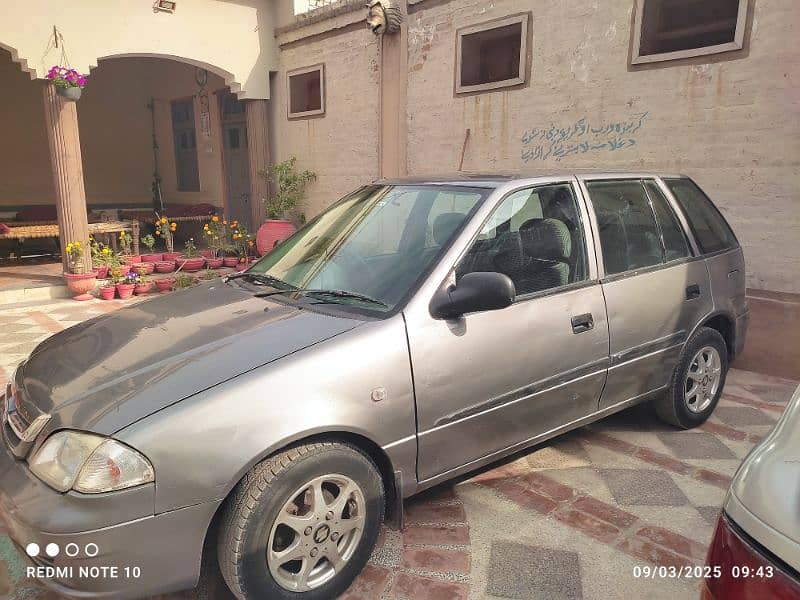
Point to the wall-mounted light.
(164, 6)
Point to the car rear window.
(708, 225)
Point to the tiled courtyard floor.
(566, 520)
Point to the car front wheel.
(302, 523)
(697, 381)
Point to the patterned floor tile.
(743, 416)
(685, 444)
(516, 571)
(643, 486)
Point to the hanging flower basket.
(69, 83)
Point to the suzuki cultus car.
(414, 331)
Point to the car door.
(656, 291)
(490, 381)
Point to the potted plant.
(142, 285)
(243, 245)
(191, 260)
(165, 266)
(79, 282)
(108, 290)
(182, 280)
(150, 242)
(126, 285)
(101, 257)
(69, 83)
(166, 230)
(126, 243)
(216, 233)
(165, 285)
(144, 268)
(290, 193)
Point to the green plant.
(165, 230)
(190, 250)
(209, 274)
(150, 242)
(125, 241)
(183, 280)
(242, 241)
(75, 253)
(291, 187)
(217, 233)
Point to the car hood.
(767, 487)
(110, 371)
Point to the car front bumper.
(103, 558)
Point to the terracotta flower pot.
(81, 284)
(243, 265)
(144, 267)
(125, 290)
(152, 258)
(102, 271)
(142, 288)
(164, 285)
(107, 293)
(132, 259)
(190, 265)
(173, 256)
(272, 232)
(230, 261)
(165, 266)
(207, 253)
(214, 263)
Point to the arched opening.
(155, 132)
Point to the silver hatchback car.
(414, 331)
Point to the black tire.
(671, 407)
(255, 504)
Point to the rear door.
(656, 290)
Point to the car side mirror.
(474, 292)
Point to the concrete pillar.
(257, 112)
(61, 117)
(394, 82)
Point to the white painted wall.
(233, 39)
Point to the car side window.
(626, 224)
(534, 236)
(672, 234)
(708, 225)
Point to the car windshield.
(370, 248)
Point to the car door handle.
(581, 323)
(692, 291)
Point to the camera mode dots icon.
(32, 549)
(52, 550)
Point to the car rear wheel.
(697, 381)
(302, 523)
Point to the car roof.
(493, 180)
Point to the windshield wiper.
(335, 293)
(261, 277)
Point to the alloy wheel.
(702, 379)
(316, 532)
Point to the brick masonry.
(726, 119)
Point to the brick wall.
(729, 120)
(341, 146)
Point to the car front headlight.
(89, 464)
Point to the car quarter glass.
(712, 232)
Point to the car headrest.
(445, 225)
(546, 239)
